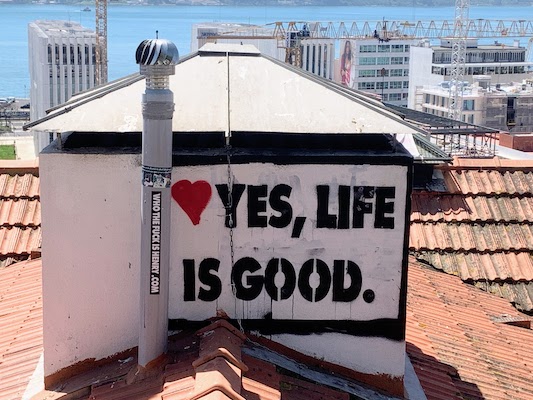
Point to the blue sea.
(129, 25)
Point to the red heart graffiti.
(192, 197)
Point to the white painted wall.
(90, 256)
(369, 355)
(420, 61)
(91, 225)
(378, 252)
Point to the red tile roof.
(482, 228)
(462, 342)
(21, 322)
(459, 343)
(20, 214)
(212, 367)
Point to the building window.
(405, 84)
(367, 61)
(468, 105)
(396, 48)
(407, 48)
(383, 48)
(395, 96)
(396, 72)
(383, 61)
(396, 60)
(64, 54)
(405, 72)
(49, 54)
(382, 85)
(367, 73)
(86, 54)
(367, 48)
(395, 85)
(319, 59)
(366, 85)
(72, 54)
(57, 53)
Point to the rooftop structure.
(296, 119)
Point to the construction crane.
(101, 42)
(455, 105)
(292, 35)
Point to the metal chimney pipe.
(157, 59)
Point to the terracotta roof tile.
(21, 341)
(213, 368)
(492, 182)
(427, 207)
(20, 216)
(482, 229)
(471, 237)
(19, 241)
(483, 267)
(455, 345)
(22, 212)
(19, 186)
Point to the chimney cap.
(157, 52)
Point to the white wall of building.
(420, 72)
(90, 256)
(91, 251)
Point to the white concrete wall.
(368, 355)
(420, 72)
(90, 256)
(91, 235)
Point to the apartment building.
(378, 64)
(504, 63)
(507, 107)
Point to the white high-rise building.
(61, 63)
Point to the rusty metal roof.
(482, 228)
(457, 345)
(21, 322)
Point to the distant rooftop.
(53, 28)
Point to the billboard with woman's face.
(347, 60)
